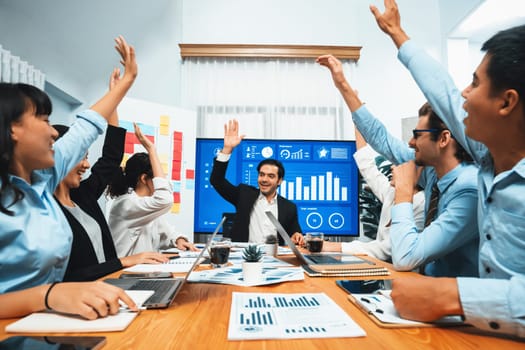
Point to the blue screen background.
(321, 178)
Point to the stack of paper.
(52, 322)
(347, 271)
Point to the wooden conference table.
(199, 317)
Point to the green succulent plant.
(252, 253)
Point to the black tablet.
(364, 286)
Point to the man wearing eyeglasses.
(448, 245)
(488, 118)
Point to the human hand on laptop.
(298, 239)
(183, 244)
(144, 258)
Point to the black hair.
(15, 99)
(61, 129)
(506, 65)
(435, 122)
(128, 177)
(275, 162)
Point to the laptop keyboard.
(161, 287)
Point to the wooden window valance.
(268, 51)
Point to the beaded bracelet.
(47, 295)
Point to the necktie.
(432, 206)
(431, 215)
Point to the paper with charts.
(288, 316)
(233, 275)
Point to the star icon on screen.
(323, 153)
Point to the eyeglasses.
(415, 132)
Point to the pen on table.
(376, 309)
(127, 309)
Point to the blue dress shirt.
(495, 301)
(449, 246)
(35, 243)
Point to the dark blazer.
(83, 263)
(243, 198)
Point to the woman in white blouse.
(142, 196)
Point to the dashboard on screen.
(321, 178)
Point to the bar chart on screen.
(288, 316)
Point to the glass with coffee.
(314, 241)
(220, 252)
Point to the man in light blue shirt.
(448, 246)
(488, 119)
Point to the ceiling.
(489, 18)
(77, 33)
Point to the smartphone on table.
(364, 286)
(53, 343)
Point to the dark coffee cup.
(314, 241)
(219, 253)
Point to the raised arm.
(336, 69)
(114, 79)
(431, 77)
(390, 22)
(152, 152)
(70, 149)
(231, 136)
(372, 130)
(109, 102)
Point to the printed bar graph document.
(288, 316)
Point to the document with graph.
(288, 316)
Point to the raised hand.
(114, 78)
(335, 67)
(106, 105)
(231, 136)
(148, 145)
(127, 54)
(390, 22)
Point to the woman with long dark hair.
(142, 196)
(35, 238)
(93, 253)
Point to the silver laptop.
(313, 259)
(166, 289)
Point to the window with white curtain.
(15, 70)
(277, 98)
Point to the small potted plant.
(252, 264)
(271, 245)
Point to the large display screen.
(321, 178)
